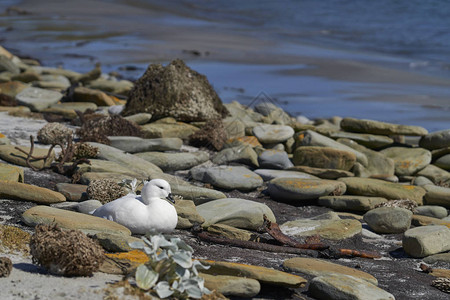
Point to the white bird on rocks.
(149, 212)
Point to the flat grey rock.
(38, 99)
(388, 219)
(132, 144)
(235, 212)
(274, 159)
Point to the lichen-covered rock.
(5, 267)
(69, 253)
(54, 133)
(105, 190)
(174, 91)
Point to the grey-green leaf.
(145, 277)
(183, 259)
(163, 289)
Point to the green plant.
(170, 272)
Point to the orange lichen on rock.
(137, 256)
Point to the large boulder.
(174, 91)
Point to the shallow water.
(375, 59)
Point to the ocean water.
(383, 60)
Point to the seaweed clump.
(65, 252)
(212, 135)
(97, 129)
(83, 150)
(14, 238)
(105, 190)
(442, 283)
(54, 133)
(403, 203)
(5, 267)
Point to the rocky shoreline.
(380, 189)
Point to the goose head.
(156, 188)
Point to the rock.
(311, 138)
(426, 240)
(84, 94)
(388, 219)
(175, 161)
(380, 188)
(198, 194)
(323, 173)
(140, 118)
(443, 162)
(115, 109)
(81, 106)
(233, 128)
(441, 257)
(297, 189)
(174, 91)
(106, 166)
(436, 140)
(12, 88)
(38, 99)
(408, 161)
(346, 287)
(120, 87)
(352, 203)
(187, 209)
(274, 159)
(240, 154)
(367, 140)
(112, 242)
(418, 220)
(378, 164)
(244, 114)
(251, 141)
(168, 130)
(88, 206)
(421, 181)
(72, 192)
(28, 192)
(71, 220)
(235, 212)
(269, 134)
(437, 195)
(437, 175)
(71, 75)
(232, 285)
(52, 82)
(88, 177)
(324, 157)
(263, 275)
(11, 173)
(433, 211)
(27, 77)
(328, 226)
(318, 267)
(7, 65)
(134, 163)
(132, 144)
(230, 232)
(382, 128)
(269, 174)
(228, 177)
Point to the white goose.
(142, 214)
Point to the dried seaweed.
(69, 253)
(212, 135)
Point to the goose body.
(142, 214)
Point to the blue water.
(413, 36)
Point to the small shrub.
(170, 272)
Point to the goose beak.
(170, 198)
